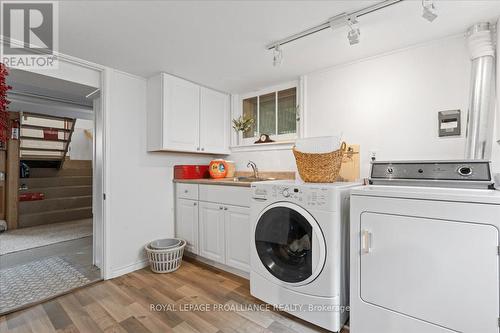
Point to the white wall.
(140, 189)
(267, 160)
(388, 104)
(80, 147)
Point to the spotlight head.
(353, 33)
(353, 36)
(277, 56)
(429, 11)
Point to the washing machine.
(425, 249)
(299, 249)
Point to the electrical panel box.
(449, 123)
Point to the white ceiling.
(33, 83)
(221, 44)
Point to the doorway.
(52, 243)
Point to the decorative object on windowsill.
(320, 167)
(264, 138)
(4, 114)
(242, 125)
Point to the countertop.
(230, 181)
(210, 181)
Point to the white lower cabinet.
(216, 231)
(186, 223)
(237, 234)
(212, 231)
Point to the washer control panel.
(308, 197)
(432, 170)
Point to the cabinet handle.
(220, 207)
(366, 242)
(198, 148)
(186, 191)
(225, 208)
(194, 204)
(202, 149)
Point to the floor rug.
(37, 281)
(31, 237)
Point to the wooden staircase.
(68, 194)
(44, 140)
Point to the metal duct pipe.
(479, 135)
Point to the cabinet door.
(186, 223)
(214, 121)
(237, 225)
(212, 231)
(432, 270)
(181, 114)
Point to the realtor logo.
(29, 34)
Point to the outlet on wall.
(373, 154)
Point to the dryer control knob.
(285, 193)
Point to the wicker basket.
(320, 167)
(167, 260)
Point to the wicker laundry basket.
(320, 167)
(165, 260)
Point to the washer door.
(290, 244)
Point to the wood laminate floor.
(124, 305)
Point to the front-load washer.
(424, 249)
(299, 249)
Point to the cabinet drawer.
(187, 191)
(226, 195)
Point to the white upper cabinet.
(183, 116)
(214, 121)
(181, 112)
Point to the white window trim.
(280, 139)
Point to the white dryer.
(299, 249)
(424, 249)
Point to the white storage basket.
(167, 260)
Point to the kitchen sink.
(251, 179)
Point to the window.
(274, 113)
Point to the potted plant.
(241, 124)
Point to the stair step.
(61, 192)
(40, 157)
(54, 172)
(55, 216)
(42, 149)
(39, 127)
(47, 116)
(77, 164)
(46, 205)
(56, 181)
(36, 138)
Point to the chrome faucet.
(252, 165)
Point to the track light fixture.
(429, 10)
(277, 55)
(342, 20)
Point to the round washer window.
(284, 243)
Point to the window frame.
(274, 89)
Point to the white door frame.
(100, 248)
(79, 71)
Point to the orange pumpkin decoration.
(218, 169)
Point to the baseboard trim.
(128, 269)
